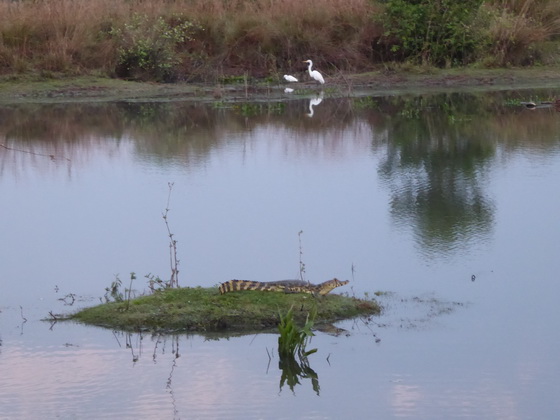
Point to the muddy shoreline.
(94, 89)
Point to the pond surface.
(449, 202)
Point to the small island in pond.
(200, 309)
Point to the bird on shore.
(289, 78)
(314, 73)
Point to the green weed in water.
(293, 340)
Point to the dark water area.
(448, 202)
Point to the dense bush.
(438, 32)
(148, 48)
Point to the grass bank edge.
(68, 88)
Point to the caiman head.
(329, 285)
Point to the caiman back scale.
(286, 286)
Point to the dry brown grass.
(515, 29)
(54, 35)
(263, 38)
(256, 36)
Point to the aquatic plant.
(113, 291)
(293, 340)
(292, 343)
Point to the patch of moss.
(205, 309)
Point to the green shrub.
(147, 47)
(436, 32)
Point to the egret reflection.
(314, 102)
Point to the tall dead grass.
(262, 36)
(516, 30)
(235, 37)
(256, 36)
(53, 35)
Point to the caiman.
(286, 286)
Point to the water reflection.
(166, 347)
(435, 165)
(436, 151)
(294, 370)
(314, 102)
(255, 176)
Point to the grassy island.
(205, 309)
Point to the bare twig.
(269, 359)
(132, 278)
(173, 260)
(69, 299)
(51, 157)
(21, 312)
(154, 355)
(117, 338)
(301, 263)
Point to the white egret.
(314, 73)
(290, 78)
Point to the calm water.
(448, 201)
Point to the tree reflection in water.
(435, 166)
(436, 150)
